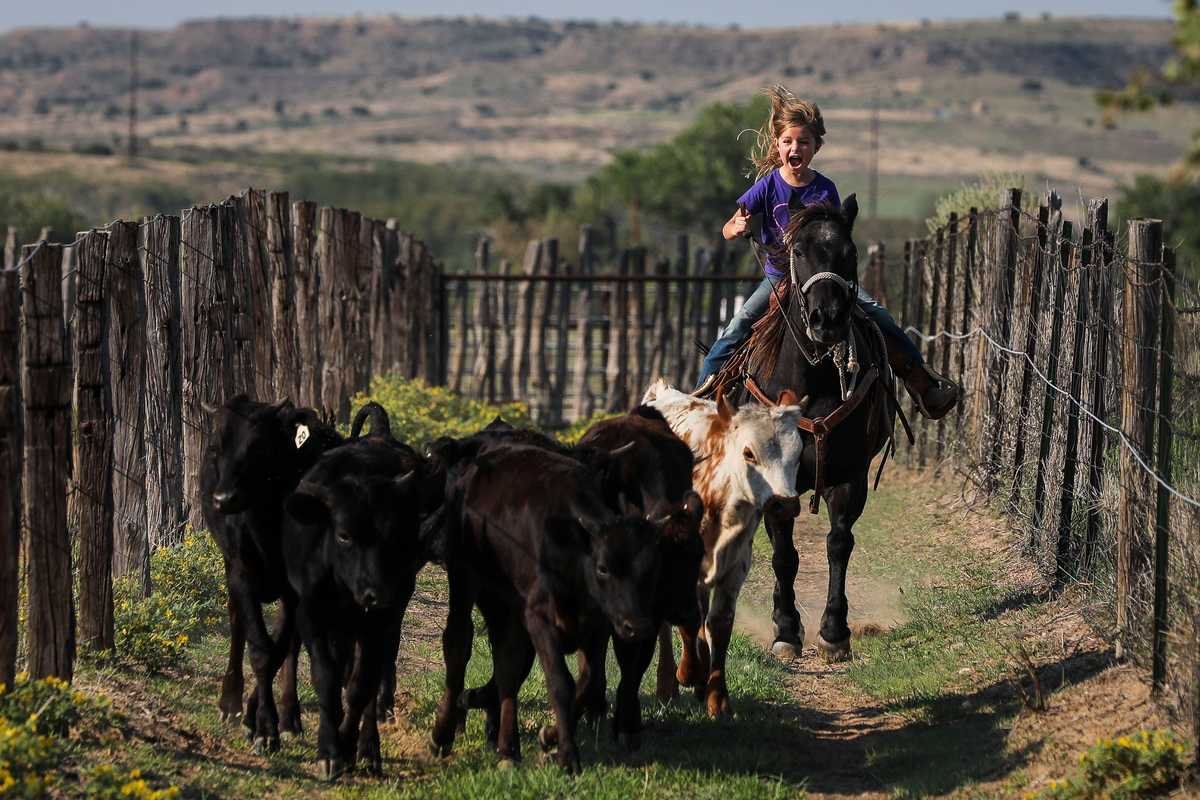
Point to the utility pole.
(873, 166)
(133, 84)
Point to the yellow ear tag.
(301, 435)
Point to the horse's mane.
(801, 217)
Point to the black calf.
(354, 549)
(551, 566)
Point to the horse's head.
(824, 264)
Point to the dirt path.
(857, 747)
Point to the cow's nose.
(369, 599)
(628, 629)
(222, 499)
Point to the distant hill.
(555, 98)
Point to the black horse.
(849, 413)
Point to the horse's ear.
(724, 409)
(850, 210)
(788, 398)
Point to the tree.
(1147, 87)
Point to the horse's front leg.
(780, 518)
(845, 502)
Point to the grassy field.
(937, 701)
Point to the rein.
(821, 427)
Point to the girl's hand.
(738, 225)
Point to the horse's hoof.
(329, 769)
(548, 738)
(230, 716)
(506, 763)
(667, 692)
(786, 651)
(630, 742)
(439, 750)
(834, 652)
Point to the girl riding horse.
(788, 140)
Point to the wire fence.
(114, 346)
(1079, 353)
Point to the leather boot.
(934, 394)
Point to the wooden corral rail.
(1062, 408)
(571, 338)
(145, 323)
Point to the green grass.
(683, 752)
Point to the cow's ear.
(724, 408)
(850, 211)
(307, 508)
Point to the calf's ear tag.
(301, 435)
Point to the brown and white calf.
(745, 459)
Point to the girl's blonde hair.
(787, 111)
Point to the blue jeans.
(740, 327)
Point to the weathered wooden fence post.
(1046, 471)
(337, 242)
(696, 327)
(304, 264)
(483, 377)
(661, 324)
(585, 401)
(543, 308)
(637, 374)
(1098, 352)
(968, 318)
(935, 344)
(617, 369)
(163, 430)
(1139, 313)
(998, 326)
(947, 315)
(93, 502)
(920, 271)
(286, 298)
(251, 210)
(506, 335)
(47, 424)
(1063, 566)
(683, 355)
(562, 336)
(524, 322)
(127, 359)
(1027, 311)
(10, 465)
(1162, 526)
(205, 317)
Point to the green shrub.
(420, 413)
(151, 632)
(105, 782)
(981, 193)
(38, 721)
(28, 760)
(191, 575)
(574, 432)
(1147, 764)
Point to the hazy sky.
(748, 13)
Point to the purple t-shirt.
(770, 196)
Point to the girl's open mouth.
(795, 161)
